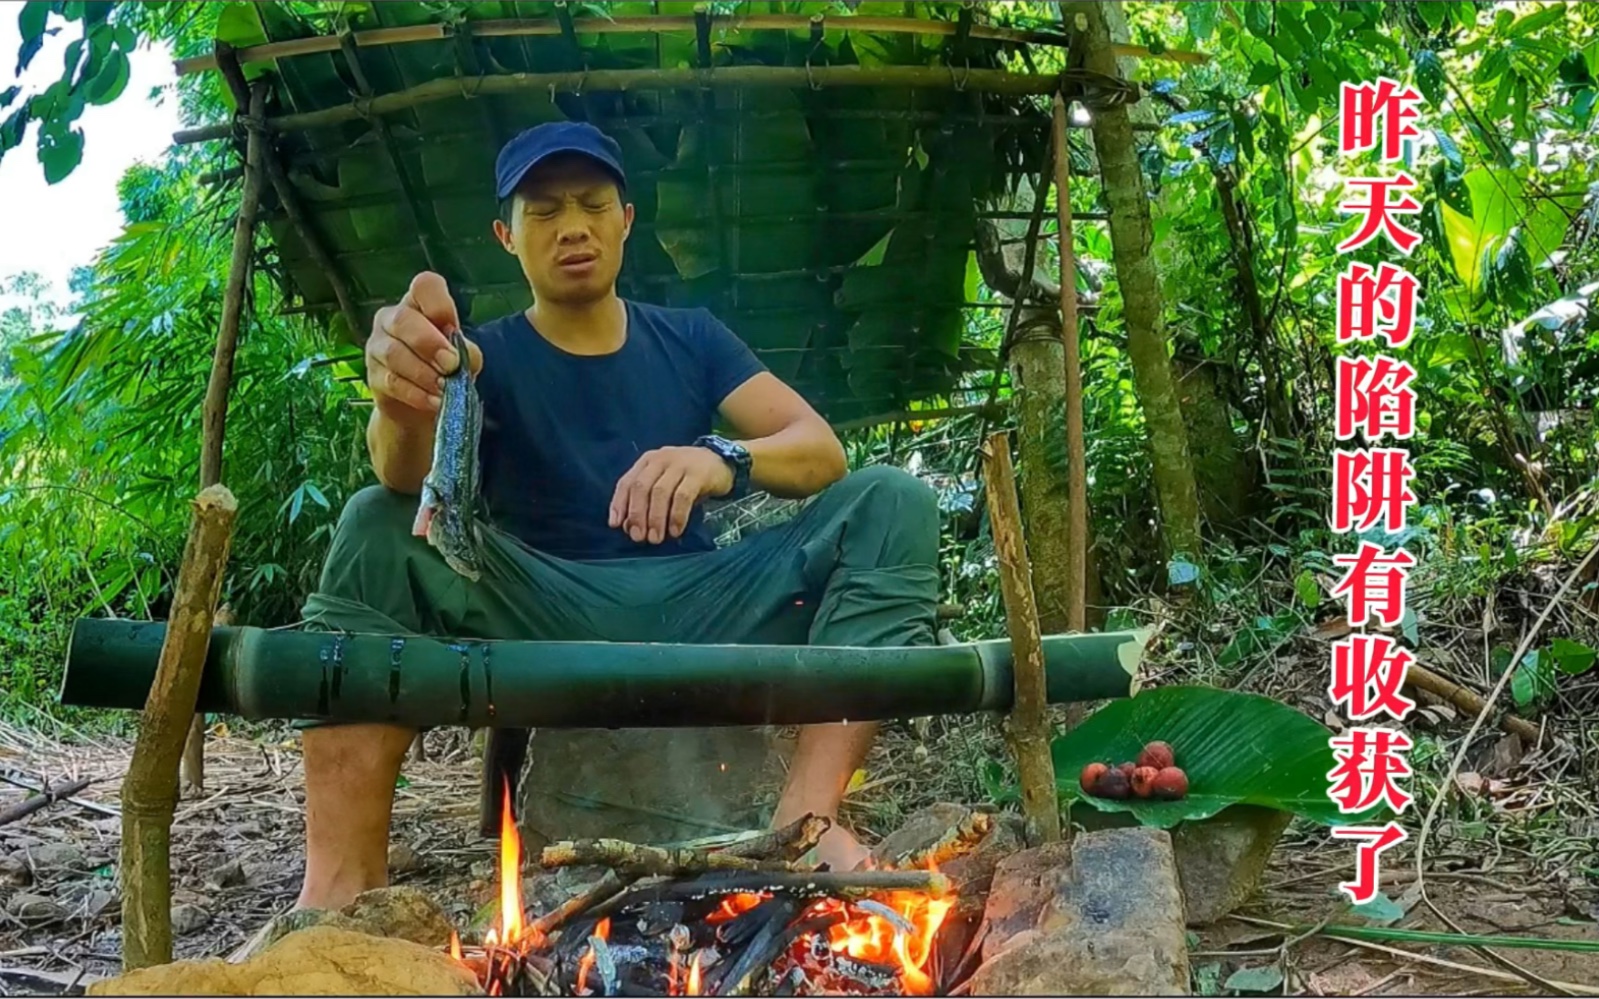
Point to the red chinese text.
(1379, 213)
(1369, 762)
(1370, 486)
(1377, 303)
(1374, 397)
(1368, 674)
(1374, 840)
(1372, 114)
(1375, 584)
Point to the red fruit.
(1157, 755)
(1113, 784)
(1127, 769)
(1091, 775)
(1144, 781)
(1170, 784)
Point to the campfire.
(748, 919)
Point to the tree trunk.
(1028, 726)
(1038, 381)
(1132, 236)
(1243, 251)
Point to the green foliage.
(1236, 749)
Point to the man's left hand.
(655, 498)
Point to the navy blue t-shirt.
(560, 429)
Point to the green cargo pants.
(856, 567)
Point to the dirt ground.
(236, 864)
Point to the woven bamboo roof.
(815, 184)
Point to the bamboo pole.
(1466, 700)
(530, 27)
(1076, 458)
(150, 791)
(992, 81)
(193, 768)
(214, 415)
(1028, 726)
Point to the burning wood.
(743, 920)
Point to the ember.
(751, 922)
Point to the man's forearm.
(797, 461)
(402, 453)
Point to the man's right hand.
(410, 350)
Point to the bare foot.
(840, 850)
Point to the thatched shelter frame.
(150, 792)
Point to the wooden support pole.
(214, 416)
(150, 791)
(1076, 458)
(409, 196)
(194, 749)
(227, 58)
(1028, 726)
(725, 24)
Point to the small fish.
(449, 493)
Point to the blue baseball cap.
(540, 142)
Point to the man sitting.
(596, 456)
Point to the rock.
(322, 960)
(398, 913)
(35, 910)
(97, 900)
(187, 918)
(58, 856)
(404, 859)
(920, 831)
(401, 913)
(1023, 883)
(1221, 859)
(973, 874)
(227, 875)
(14, 872)
(260, 872)
(1114, 928)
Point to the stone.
(396, 912)
(1221, 859)
(226, 875)
(322, 960)
(57, 857)
(1115, 927)
(973, 873)
(35, 910)
(920, 831)
(402, 913)
(14, 872)
(403, 859)
(1022, 884)
(98, 900)
(188, 918)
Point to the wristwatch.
(737, 458)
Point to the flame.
(693, 976)
(510, 874)
(455, 945)
(735, 905)
(869, 937)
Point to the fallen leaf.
(1265, 978)
(1331, 629)
(1345, 979)
(857, 780)
(1470, 783)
